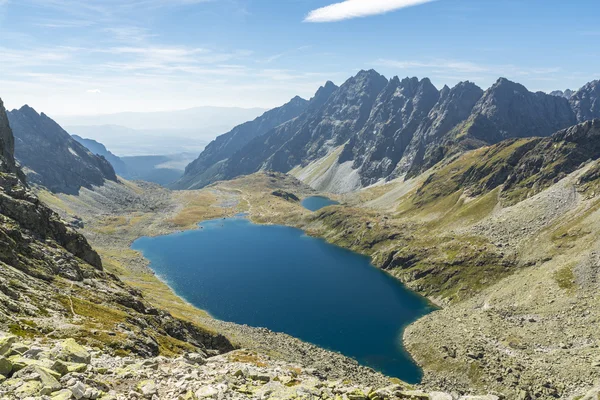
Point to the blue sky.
(70, 57)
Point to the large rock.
(5, 344)
(6, 366)
(69, 350)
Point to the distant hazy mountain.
(372, 128)
(124, 141)
(566, 94)
(227, 144)
(161, 169)
(51, 157)
(203, 120)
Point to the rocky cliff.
(51, 157)
(371, 129)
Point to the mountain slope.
(227, 144)
(101, 150)
(51, 157)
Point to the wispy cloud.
(94, 91)
(359, 8)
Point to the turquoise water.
(279, 278)
(315, 203)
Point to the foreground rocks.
(64, 370)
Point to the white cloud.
(359, 8)
(94, 91)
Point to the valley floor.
(518, 284)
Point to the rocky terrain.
(64, 370)
(372, 129)
(51, 158)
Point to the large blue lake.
(279, 278)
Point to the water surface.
(279, 278)
(315, 203)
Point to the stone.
(5, 344)
(64, 394)
(356, 394)
(29, 388)
(78, 390)
(440, 396)
(207, 392)
(414, 395)
(71, 351)
(147, 388)
(196, 358)
(45, 376)
(5, 366)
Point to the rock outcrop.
(51, 157)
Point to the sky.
(88, 57)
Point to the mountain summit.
(51, 157)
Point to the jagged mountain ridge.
(383, 129)
(51, 157)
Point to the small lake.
(279, 278)
(315, 203)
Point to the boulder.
(5, 344)
(5, 366)
(147, 388)
(71, 351)
(64, 394)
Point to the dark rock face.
(508, 110)
(198, 173)
(52, 158)
(101, 150)
(454, 106)
(586, 102)
(394, 119)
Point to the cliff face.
(51, 157)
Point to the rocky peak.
(51, 157)
(586, 101)
(322, 95)
(509, 110)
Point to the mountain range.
(372, 129)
